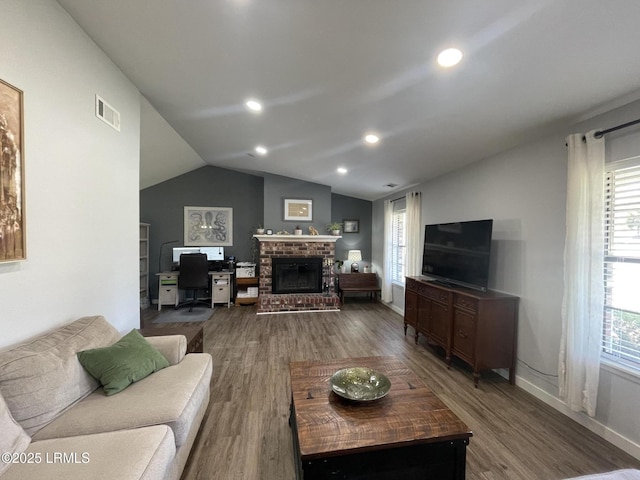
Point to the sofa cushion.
(13, 439)
(140, 454)
(173, 347)
(171, 396)
(127, 361)
(41, 378)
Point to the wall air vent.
(107, 113)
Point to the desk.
(168, 294)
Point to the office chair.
(194, 275)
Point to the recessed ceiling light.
(371, 138)
(449, 57)
(253, 105)
(342, 170)
(260, 150)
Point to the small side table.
(194, 336)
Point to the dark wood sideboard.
(480, 328)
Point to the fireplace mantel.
(297, 238)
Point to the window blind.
(398, 245)
(621, 328)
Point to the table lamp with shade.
(354, 257)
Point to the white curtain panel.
(386, 293)
(583, 301)
(413, 263)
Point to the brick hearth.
(283, 246)
(291, 302)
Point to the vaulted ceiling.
(329, 71)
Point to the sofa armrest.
(173, 347)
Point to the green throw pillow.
(125, 362)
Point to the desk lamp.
(354, 256)
(160, 256)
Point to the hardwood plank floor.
(245, 433)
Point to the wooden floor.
(245, 433)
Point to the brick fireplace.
(295, 247)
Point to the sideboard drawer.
(436, 294)
(412, 285)
(465, 302)
(464, 335)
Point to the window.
(398, 245)
(621, 329)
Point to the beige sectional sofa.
(56, 421)
(625, 474)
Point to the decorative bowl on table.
(360, 384)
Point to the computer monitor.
(177, 251)
(213, 253)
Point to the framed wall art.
(298, 210)
(208, 226)
(13, 235)
(351, 226)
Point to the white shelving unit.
(144, 265)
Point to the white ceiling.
(330, 70)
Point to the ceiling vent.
(391, 185)
(107, 113)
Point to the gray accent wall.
(162, 206)
(277, 188)
(255, 201)
(350, 208)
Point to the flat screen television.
(458, 253)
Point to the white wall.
(524, 191)
(81, 177)
(163, 152)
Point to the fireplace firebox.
(296, 275)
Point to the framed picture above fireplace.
(298, 210)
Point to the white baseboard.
(583, 419)
(393, 307)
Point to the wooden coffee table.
(408, 434)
